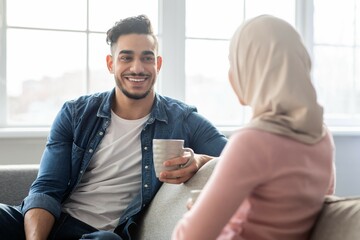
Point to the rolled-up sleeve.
(40, 200)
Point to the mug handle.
(190, 160)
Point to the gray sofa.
(338, 220)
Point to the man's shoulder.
(173, 103)
(100, 101)
(90, 100)
(91, 97)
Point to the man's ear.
(159, 63)
(109, 63)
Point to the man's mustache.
(136, 75)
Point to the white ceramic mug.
(165, 149)
(194, 194)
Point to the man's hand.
(183, 174)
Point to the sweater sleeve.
(236, 174)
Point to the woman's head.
(270, 71)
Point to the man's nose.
(137, 66)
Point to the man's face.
(135, 65)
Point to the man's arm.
(38, 223)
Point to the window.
(206, 59)
(56, 52)
(336, 49)
(53, 51)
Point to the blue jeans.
(65, 228)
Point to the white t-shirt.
(113, 177)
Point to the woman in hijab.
(274, 173)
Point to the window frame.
(2, 63)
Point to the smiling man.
(96, 174)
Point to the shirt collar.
(158, 110)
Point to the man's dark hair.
(138, 24)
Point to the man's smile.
(136, 78)
(131, 79)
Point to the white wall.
(29, 150)
(347, 165)
(21, 150)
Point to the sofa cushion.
(15, 181)
(169, 205)
(339, 219)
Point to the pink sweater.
(265, 186)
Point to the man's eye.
(125, 58)
(149, 59)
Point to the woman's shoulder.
(251, 134)
(250, 140)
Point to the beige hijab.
(271, 73)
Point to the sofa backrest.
(169, 205)
(339, 219)
(15, 181)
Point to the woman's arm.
(232, 180)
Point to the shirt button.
(91, 150)
(101, 133)
(145, 185)
(146, 167)
(145, 148)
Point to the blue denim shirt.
(78, 130)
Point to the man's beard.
(132, 95)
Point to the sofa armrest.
(339, 219)
(169, 205)
(15, 181)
